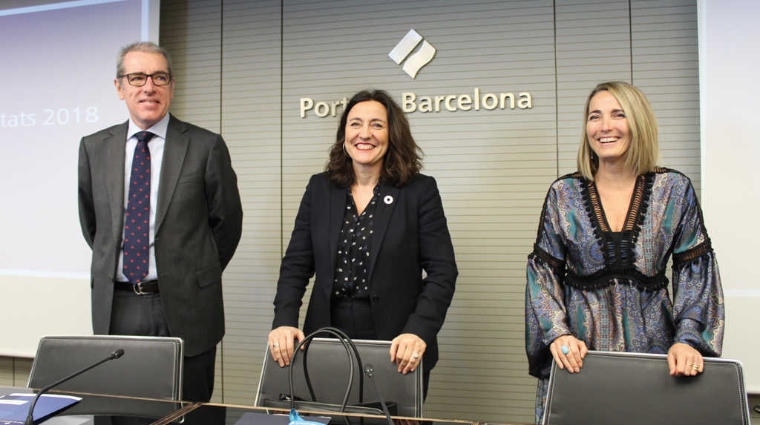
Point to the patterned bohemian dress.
(610, 289)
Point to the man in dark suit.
(160, 208)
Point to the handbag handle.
(345, 340)
(351, 351)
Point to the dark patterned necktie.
(137, 219)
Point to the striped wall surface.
(243, 68)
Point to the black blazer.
(198, 226)
(410, 236)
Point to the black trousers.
(144, 315)
(354, 317)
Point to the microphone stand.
(30, 416)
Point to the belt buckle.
(138, 290)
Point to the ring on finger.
(415, 356)
(565, 349)
(695, 367)
(276, 344)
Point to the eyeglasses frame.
(171, 78)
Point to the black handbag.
(289, 401)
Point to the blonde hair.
(643, 151)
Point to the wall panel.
(665, 67)
(593, 45)
(251, 123)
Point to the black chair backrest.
(328, 372)
(631, 388)
(151, 367)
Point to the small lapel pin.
(388, 200)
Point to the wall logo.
(415, 52)
(415, 62)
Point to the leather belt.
(142, 288)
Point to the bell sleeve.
(545, 313)
(698, 307)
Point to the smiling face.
(147, 104)
(366, 140)
(607, 128)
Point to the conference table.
(98, 409)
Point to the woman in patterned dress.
(596, 279)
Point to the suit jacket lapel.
(175, 150)
(388, 199)
(337, 212)
(114, 155)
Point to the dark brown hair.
(401, 162)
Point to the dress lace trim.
(637, 210)
(618, 247)
(557, 266)
(610, 275)
(680, 259)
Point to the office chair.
(328, 372)
(632, 388)
(151, 367)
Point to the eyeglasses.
(138, 79)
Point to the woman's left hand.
(407, 351)
(684, 360)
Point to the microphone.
(30, 417)
(369, 370)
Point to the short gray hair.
(142, 46)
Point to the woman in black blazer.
(368, 227)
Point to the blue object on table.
(296, 419)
